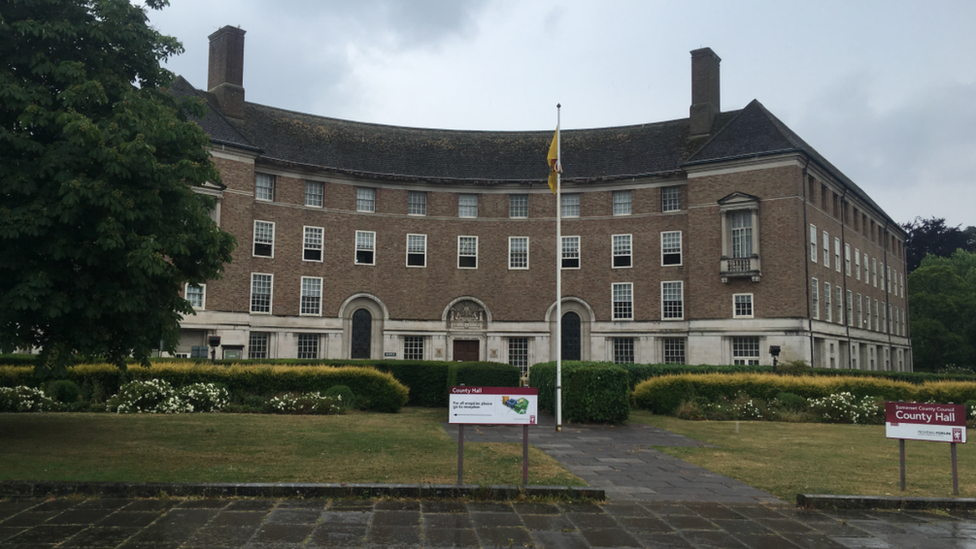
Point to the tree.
(942, 307)
(931, 236)
(99, 224)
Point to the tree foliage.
(99, 224)
(932, 236)
(942, 307)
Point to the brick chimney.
(226, 75)
(705, 91)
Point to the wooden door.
(466, 350)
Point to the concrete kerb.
(15, 489)
(820, 501)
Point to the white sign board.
(494, 405)
(930, 422)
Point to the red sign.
(931, 422)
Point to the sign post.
(494, 406)
(927, 422)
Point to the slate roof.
(220, 130)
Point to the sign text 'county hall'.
(931, 422)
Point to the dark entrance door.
(466, 350)
(362, 333)
(571, 336)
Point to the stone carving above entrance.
(466, 315)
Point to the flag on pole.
(553, 161)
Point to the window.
(416, 250)
(837, 254)
(571, 252)
(467, 252)
(826, 249)
(623, 350)
(741, 234)
(416, 203)
(815, 297)
(311, 296)
(901, 284)
(674, 350)
(850, 308)
(888, 279)
(857, 263)
(877, 317)
(518, 353)
(745, 351)
(413, 348)
(827, 309)
(264, 185)
(468, 205)
(874, 272)
(518, 205)
(840, 303)
(670, 199)
(623, 301)
(621, 250)
(261, 292)
(621, 202)
(671, 248)
(518, 252)
(741, 305)
(257, 345)
(264, 238)
(570, 205)
(813, 243)
(860, 313)
(847, 259)
(313, 244)
(314, 192)
(890, 318)
(672, 300)
(365, 248)
(196, 294)
(308, 345)
(365, 199)
(197, 351)
(867, 279)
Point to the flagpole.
(559, 281)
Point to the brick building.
(701, 240)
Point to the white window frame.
(839, 297)
(860, 313)
(850, 308)
(312, 198)
(887, 279)
(203, 296)
(857, 263)
(366, 199)
(901, 284)
(847, 259)
(362, 239)
(867, 269)
(512, 257)
(518, 353)
(826, 250)
(563, 256)
(618, 292)
(668, 249)
(468, 205)
(745, 350)
(670, 347)
(874, 272)
(414, 250)
(410, 344)
(314, 301)
(570, 204)
(624, 350)
(740, 233)
(621, 251)
(671, 199)
(265, 192)
(302, 342)
(623, 202)
(266, 343)
(745, 300)
(416, 203)
(263, 241)
(666, 286)
(518, 206)
(828, 311)
(815, 298)
(814, 251)
(468, 239)
(309, 246)
(270, 280)
(837, 254)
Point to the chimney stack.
(226, 75)
(705, 91)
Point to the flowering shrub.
(204, 397)
(846, 408)
(305, 403)
(153, 396)
(25, 399)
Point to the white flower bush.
(305, 403)
(204, 397)
(157, 396)
(25, 399)
(846, 408)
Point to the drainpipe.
(806, 258)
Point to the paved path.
(309, 524)
(620, 460)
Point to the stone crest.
(466, 315)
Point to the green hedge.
(591, 392)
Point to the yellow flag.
(553, 161)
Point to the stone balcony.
(740, 267)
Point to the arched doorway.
(362, 333)
(571, 332)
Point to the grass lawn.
(785, 459)
(409, 447)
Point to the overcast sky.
(885, 90)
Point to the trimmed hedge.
(592, 392)
(662, 395)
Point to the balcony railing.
(740, 267)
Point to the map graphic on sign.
(520, 406)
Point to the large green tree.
(942, 307)
(932, 236)
(100, 226)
